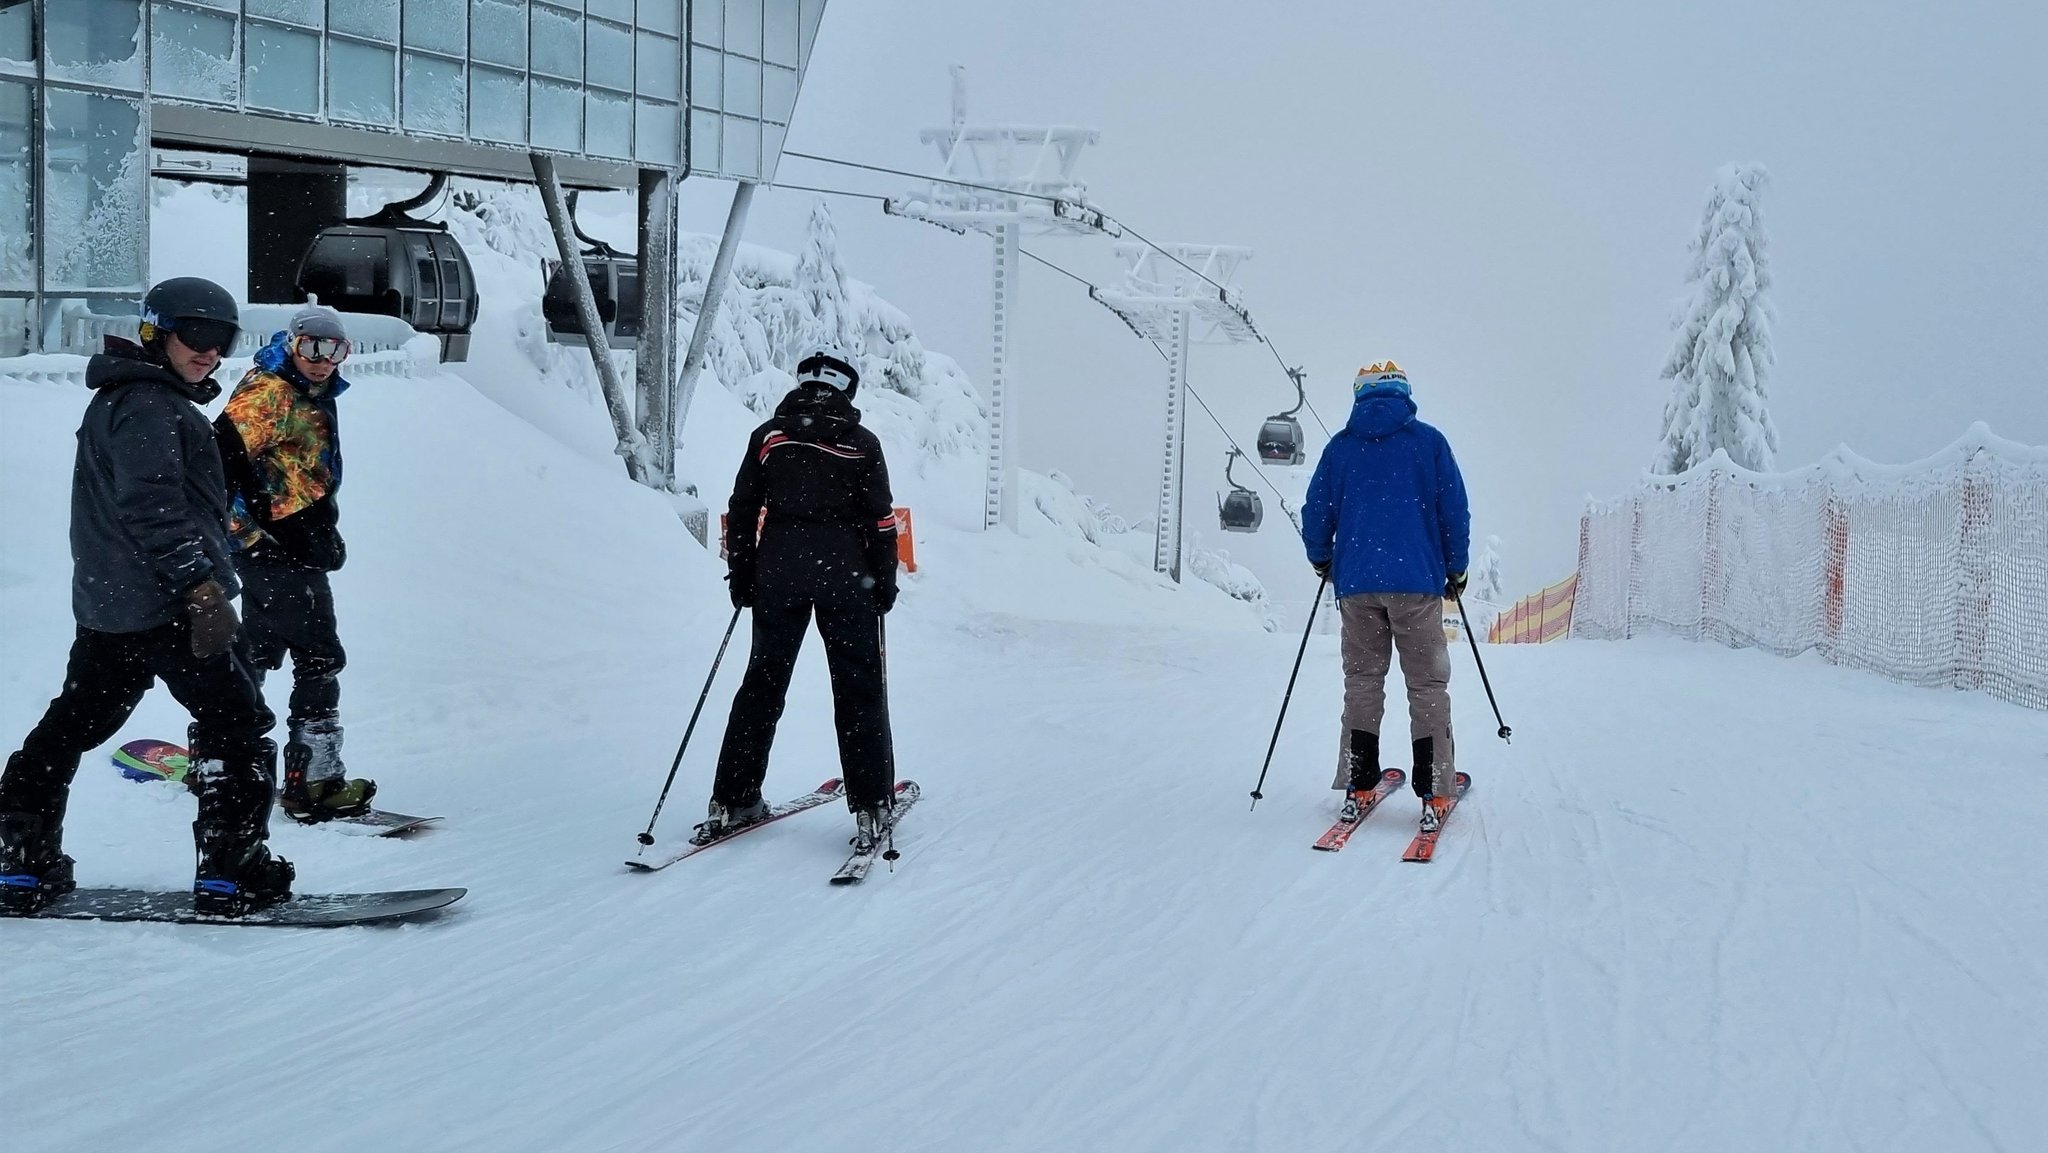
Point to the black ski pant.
(288, 610)
(104, 680)
(852, 631)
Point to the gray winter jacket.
(149, 502)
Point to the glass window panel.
(362, 83)
(309, 13)
(433, 95)
(707, 22)
(778, 93)
(779, 40)
(811, 13)
(659, 66)
(14, 326)
(771, 148)
(283, 69)
(557, 43)
(608, 62)
(17, 182)
(742, 147)
(193, 55)
(664, 16)
(96, 182)
(557, 116)
(17, 38)
(657, 133)
(608, 125)
(704, 141)
(707, 74)
(97, 41)
(437, 25)
(372, 19)
(223, 5)
(497, 105)
(497, 32)
(619, 10)
(742, 26)
(742, 86)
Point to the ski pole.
(1315, 604)
(1505, 732)
(647, 837)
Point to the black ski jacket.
(830, 532)
(149, 501)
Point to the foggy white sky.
(1497, 195)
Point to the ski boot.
(874, 828)
(316, 787)
(723, 820)
(1434, 810)
(33, 868)
(1363, 768)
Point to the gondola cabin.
(1280, 441)
(1240, 510)
(415, 272)
(614, 286)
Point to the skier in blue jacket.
(1386, 522)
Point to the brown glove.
(213, 619)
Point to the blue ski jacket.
(1387, 504)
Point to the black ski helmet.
(186, 298)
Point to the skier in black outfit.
(151, 583)
(828, 545)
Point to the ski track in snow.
(1707, 900)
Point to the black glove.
(214, 623)
(1322, 568)
(885, 594)
(740, 583)
(1454, 588)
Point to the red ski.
(831, 790)
(1422, 849)
(1341, 832)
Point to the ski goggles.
(320, 349)
(203, 335)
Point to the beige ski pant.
(1375, 625)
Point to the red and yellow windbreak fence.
(1537, 618)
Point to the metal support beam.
(631, 445)
(654, 362)
(714, 295)
(999, 496)
(1166, 535)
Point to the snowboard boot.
(236, 872)
(33, 868)
(316, 786)
(1363, 769)
(723, 820)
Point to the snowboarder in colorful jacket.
(151, 588)
(280, 439)
(827, 546)
(1386, 522)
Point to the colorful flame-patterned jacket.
(280, 440)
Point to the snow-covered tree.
(1720, 364)
(1486, 582)
(822, 281)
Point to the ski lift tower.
(1171, 297)
(1007, 181)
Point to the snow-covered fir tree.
(822, 282)
(1720, 363)
(1486, 580)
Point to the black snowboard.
(309, 910)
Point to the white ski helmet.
(829, 366)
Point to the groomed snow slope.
(1707, 900)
